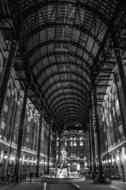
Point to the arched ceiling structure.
(62, 41)
(63, 38)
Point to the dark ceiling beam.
(104, 76)
(74, 91)
(35, 7)
(103, 79)
(96, 67)
(79, 66)
(40, 59)
(58, 41)
(15, 6)
(64, 103)
(81, 87)
(67, 54)
(72, 115)
(101, 93)
(82, 76)
(67, 112)
(109, 62)
(74, 26)
(65, 98)
(102, 85)
(107, 70)
(68, 106)
(84, 82)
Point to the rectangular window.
(81, 143)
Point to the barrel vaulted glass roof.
(63, 38)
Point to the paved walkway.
(23, 186)
(88, 185)
(85, 185)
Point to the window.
(71, 143)
(117, 104)
(81, 138)
(65, 143)
(74, 138)
(75, 143)
(81, 143)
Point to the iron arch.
(49, 42)
(77, 91)
(62, 98)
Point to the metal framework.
(63, 51)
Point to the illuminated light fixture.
(41, 162)
(25, 160)
(85, 164)
(20, 159)
(117, 158)
(35, 161)
(113, 160)
(12, 158)
(5, 157)
(125, 156)
(109, 161)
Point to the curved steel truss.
(62, 40)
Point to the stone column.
(39, 146)
(98, 136)
(48, 155)
(20, 134)
(59, 151)
(90, 148)
(92, 143)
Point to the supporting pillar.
(100, 178)
(11, 135)
(39, 146)
(92, 145)
(48, 156)
(122, 80)
(6, 75)
(90, 148)
(55, 149)
(59, 151)
(20, 135)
